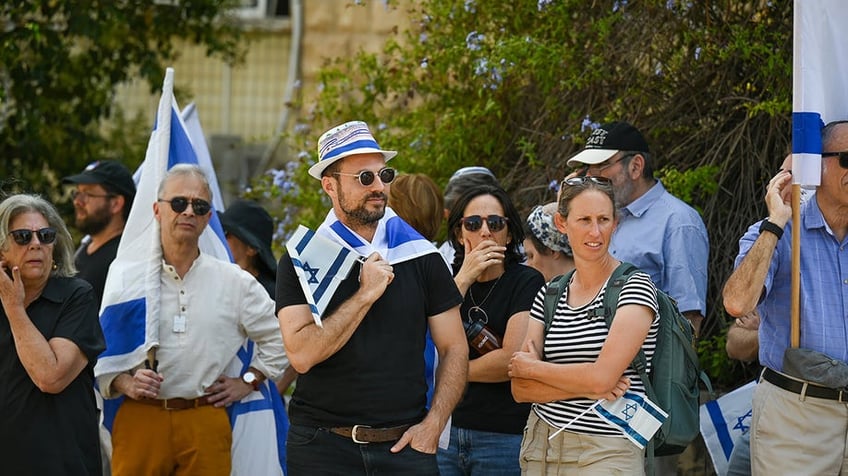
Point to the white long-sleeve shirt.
(204, 320)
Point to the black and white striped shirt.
(575, 337)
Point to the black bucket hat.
(250, 223)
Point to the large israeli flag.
(724, 421)
(635, 415)
(129, 312)
(819, 94)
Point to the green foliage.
(60, 62)
(517, 86)
(690, 185)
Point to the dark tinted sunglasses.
(602, 181)
(366, 177)
(843, 157)
(23, 237)
(179, 205)
(475, 222)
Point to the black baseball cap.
(606, 141)
(106, 172)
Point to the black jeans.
(316, 451)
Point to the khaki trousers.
(151, 441)
(576, 454)
(793, 436)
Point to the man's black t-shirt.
(93, 267)
(377, 378)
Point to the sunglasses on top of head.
(23, 237)
(475, 222)
(366, 177)
(573, 181)
(843, 157)
(179, 205)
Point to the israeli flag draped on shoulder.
(819, 94)
(635, 415)
(129, 313)
(323, 259)
(724, 421)
(395, 240)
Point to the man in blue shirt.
(657, 232)
(799, 427)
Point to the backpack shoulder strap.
(552, 294)
(620, 276)
(614, 285)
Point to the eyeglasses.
(179, 205)
(843, 157)
(475, 222)
(601, 181)
(84, 196)
(598, 168)
(366, 177)
(22, 237)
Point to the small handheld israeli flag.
(636, 416)
(724, 421)
(321, 265)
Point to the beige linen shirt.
(204, 320)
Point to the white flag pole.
(591, 407)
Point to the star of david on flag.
(635, 415)
(321, 265)
(724, 421)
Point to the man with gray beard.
(102, 200)
(657, 232)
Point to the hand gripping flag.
(324, 258)
(635, 415)
(129, 312)
(723, 421)
(819, 69)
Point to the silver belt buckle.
(353, 434)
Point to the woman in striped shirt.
(581, 360)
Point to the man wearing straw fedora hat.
(370, 345)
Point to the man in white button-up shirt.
(174, 415)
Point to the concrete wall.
(247, 100)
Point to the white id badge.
(179, 323)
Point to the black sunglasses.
(23, 236)
(475, 222)
(602, 181)
(179, 205)
(843, 157)
(366, 177)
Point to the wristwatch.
(770, 227)
(251, 379)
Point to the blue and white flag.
(635, 415)
(819, 69)
(321, 265)
(395, 240)
(724, 421)
(129, 312)
(191, 119)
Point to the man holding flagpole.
(800, 424)
(359, 406)
(173, 420)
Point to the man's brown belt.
(176, 403)
(365, 434)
